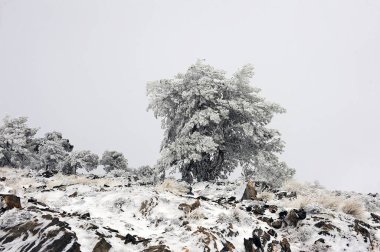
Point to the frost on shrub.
(214, 123)
(16, 143)
(197, 214)
(267, 167)
(112, 160)
(53, 151)
(353, 207)
(52, 155)
(145, 171)
(83, 159)
(234, 216)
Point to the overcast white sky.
(81, 67)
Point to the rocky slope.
(87, 213)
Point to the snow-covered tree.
(213, 123)
(113, 160)
(81, 159)
(16, 142)
(53, 150)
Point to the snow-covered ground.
(124, 214)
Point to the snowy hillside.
(79, 213)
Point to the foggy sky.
(81, 67)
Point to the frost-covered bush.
(268, 168)
(304, 233)
(213, 123)
(234, 216)
(53, 151)
(118, 173)
(16, 143)
(57, 137)
(266, 196)
(83, 159)
(197, 214)
(146, 171)
(112, 160)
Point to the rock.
(10, 201)
(75, 194)
(250, 192)
(264, 236)
(228, 247)
(32, 200)
(324, 233)
(373, 194)
(294, 216)
(135, 240)
(301, 213)
(41, 234)
(195, 205)
(248, 245)
(259, 210)
(272, 233)
(288, 195)
(320, 240)
(272, 208)
(157, 248)
(274, 246)
(102, 246)
(231, 231)
(285, 246)
(362, 228)
(85, 216)
(326, 226)
(375, 217)
(130, 239)
(263, 186)
(92, 176)
(266, 219)
(185, 208)
(47, 174)
(277, 224)
(2, 179)
(283, 214)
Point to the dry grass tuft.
(353, 207)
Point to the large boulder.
(250, 192)
(9, 201)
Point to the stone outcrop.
(10, 201)
(250, 192)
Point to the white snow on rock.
(168, 217)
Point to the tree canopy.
(214, 123)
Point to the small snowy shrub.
(84, 159)
(112, 160)
(234, 216)
(196, 214)
(147, 173)
(119, 203)
(266, 196)
(118, 173)
(353, 207)
(304, 233)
